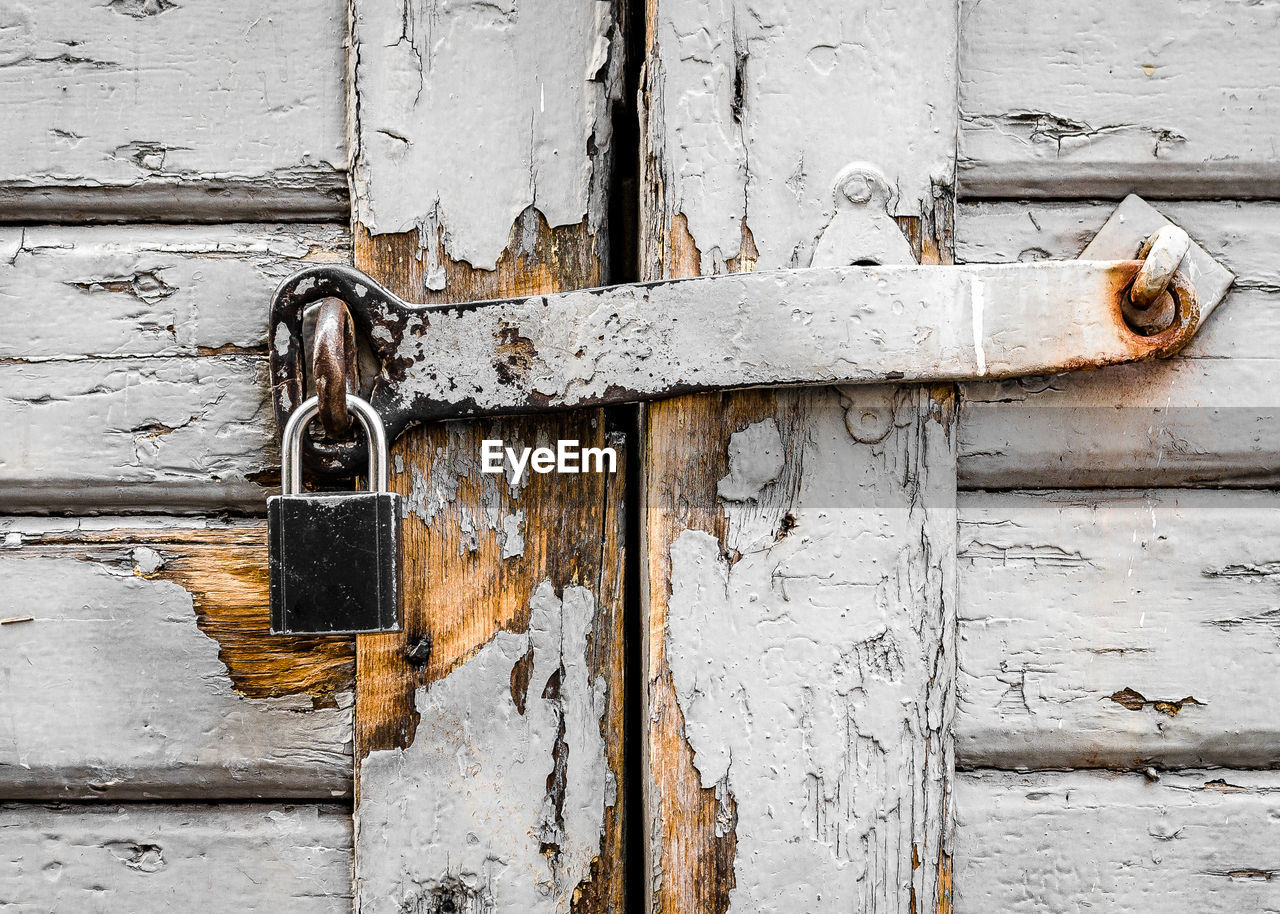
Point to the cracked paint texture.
(735, 91)
(506, 779)
(1176, 99)
(812, 659)
(527, 130)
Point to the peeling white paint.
(222, 111)
(757, 105)
(452, 94)
(115, 688)
(467, 812)
(813, 667)
(1193, 113)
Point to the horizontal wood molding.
(138, 664)
(158, 858)
(151, 110)
(133, 367)
(1176, 100)
(1193, 842)
(1124, 629)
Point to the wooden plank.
(1187, 843)
(138, 663)
(1094, 627)
(787, 569)
(1171, 100)
(1205, 417)
(155, 858)
(799, 650)
(149, 388)
(151, 109)
(488, 734)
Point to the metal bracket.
(823, 325)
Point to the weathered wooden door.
(1001, 647)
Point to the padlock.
(334, 556)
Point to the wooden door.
(1001, 647)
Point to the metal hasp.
(821, 325)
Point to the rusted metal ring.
(1182, 328)
(1160, 256)
(333, 365)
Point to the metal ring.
(1183, 327)
(333, 365)
(1160, 257)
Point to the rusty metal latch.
(828, 324)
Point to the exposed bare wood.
(154, 858)
(1122, 630)
(488, 737)
(147, 669)
(156, 110)
(1172, 100)
(1195, 842)
(1205, 418)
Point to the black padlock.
(335, 557)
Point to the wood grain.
(142, 666)
(488, 733)
(1100, 100)
(153, 858)
(1124, 629)
(155, 110)
(1202, 418)
(762, 511)
(1191, 842)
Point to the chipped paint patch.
(755, 461)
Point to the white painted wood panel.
(153, 109)
(154, 859)
(798, 740)
(1118, 629)
(72, 292)
(493, 108)
(1176, 100)
(132, 362)
(1208, 416)
(111, 687)
(1188, 843)
(755, 106)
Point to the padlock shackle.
(291, 456)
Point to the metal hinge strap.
(828, 325)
